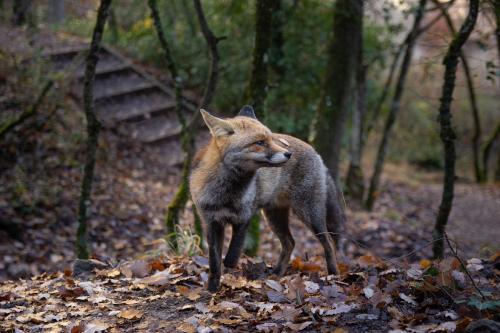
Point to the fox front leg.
(236, 245)
(215, 235)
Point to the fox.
(245, 168)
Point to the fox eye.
(260, 143)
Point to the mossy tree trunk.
(354, 179)
(338, 83)
(257, 90)
(395, 106)
(479, 171)
(446, 129)
(178, 203)
(93, 128)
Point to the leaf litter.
(172, 296)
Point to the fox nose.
(287, 154)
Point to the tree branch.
(33, 109)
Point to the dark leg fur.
(312, 217)
(335, 216)
(236, 245)
(278, 221)
(215, 235)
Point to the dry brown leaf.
(425, 263)
(186, 328)
(131, 314)
(307, 267)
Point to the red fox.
(246, 167)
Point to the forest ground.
(137, 285)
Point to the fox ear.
(247, 111)
(217, 126)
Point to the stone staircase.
(126, 97)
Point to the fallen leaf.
(407, 299)
(298, 327)
(274, 285)
(311, 287)
(186, 328)
(131, 314)
(289, 313)
(268, 327)
(425, 263)
(95, 326)
(368, 292)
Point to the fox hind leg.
(314, 216)
(278, 221)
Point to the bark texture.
(257, 90)
(338, 82)
(446, 129)
(93, 128)
(354, 179)
(479, 171)
(395, 106)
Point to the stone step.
(117, 83)
(135, 106)
(155, 129)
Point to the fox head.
(244, 142)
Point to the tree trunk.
(338, 83)
(257, 89)
(276, 58)
(447, 133)
(497, 172)
(487, 151)
(354, 179)
(479, 172)
(395, 106)
(93, 127)
(496, 8)
(178, 203)
(20, 11)
(56, 11)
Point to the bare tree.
(338, 83)
(447, 133)
(93, 128)
(181, 196)
(395, 105)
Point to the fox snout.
(280, 157)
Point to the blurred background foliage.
(297, 72)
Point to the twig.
(28, 113)
(455, 253)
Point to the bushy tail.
(335, 215)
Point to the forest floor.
(136, 284)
